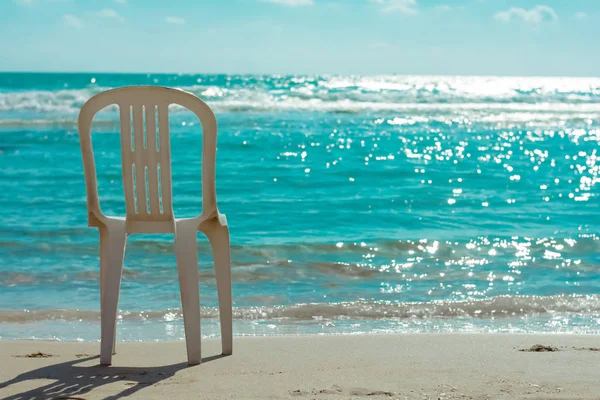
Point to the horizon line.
(296, 74)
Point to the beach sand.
(404, 366)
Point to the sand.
(411, 366)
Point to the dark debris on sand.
(38, 354)
(538, 348)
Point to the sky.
(429, 37)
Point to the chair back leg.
(218, 235)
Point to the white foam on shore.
(495, 307)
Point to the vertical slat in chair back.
(146, 157)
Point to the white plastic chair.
(146, 161)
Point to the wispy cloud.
(25, 3)
(110, 13)
(407, 7)
(380, 45)
(442, 8)
(290, 3)
(28, 3)
(175, 20)
(535, 15)
(581, 15)
(72, 21)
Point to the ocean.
(356, 204)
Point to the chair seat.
(146, 227)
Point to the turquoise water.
(355, 203)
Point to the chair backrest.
(146, 149)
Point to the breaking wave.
(336, 94)
(496, 307)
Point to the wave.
(496, 307)
(39, 240)
(61, 101)
(470, 86)
(62, 122)
(264, 262)
(342, 94)
(412, 113)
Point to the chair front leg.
(186, 252)
(113, 240)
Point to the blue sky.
(466, 37)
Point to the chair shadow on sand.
(71, 381)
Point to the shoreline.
(306, 336)
(373, 366)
